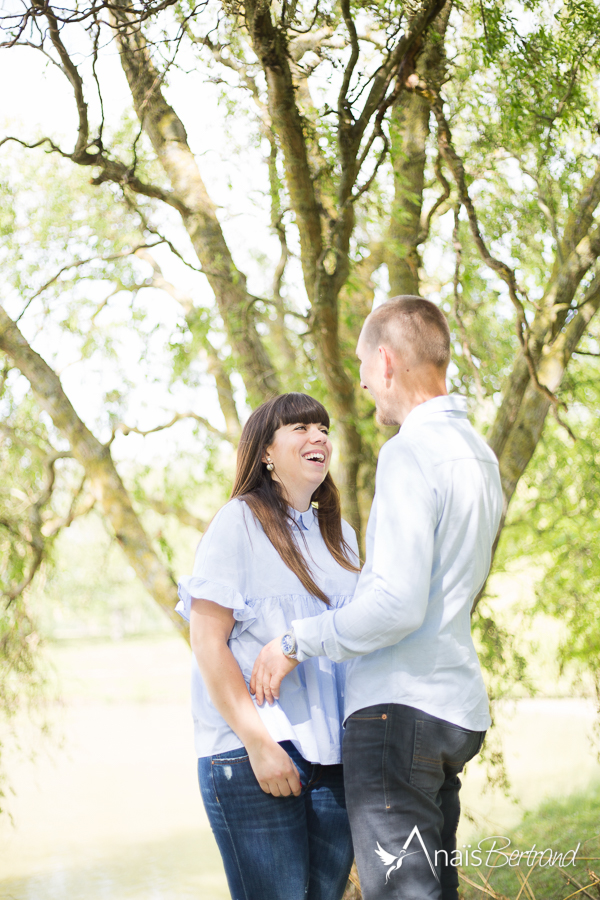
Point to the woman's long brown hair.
(254, 485)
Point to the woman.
(271, 778)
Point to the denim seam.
(436, 761)
(416, 750)
(386, 797)
(365, 718)
(224, 817)
(228, 762)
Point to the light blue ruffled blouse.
(238, 567)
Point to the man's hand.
(270, 668)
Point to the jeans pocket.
(441, 750)
(231, 772)
(370, 714)
(230, 757)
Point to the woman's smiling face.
(300, 455)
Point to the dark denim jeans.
(401, 770)
(278, 848)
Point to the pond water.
(114, 812)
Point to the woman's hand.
(269, 670)
(274, 769)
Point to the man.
(416, 707)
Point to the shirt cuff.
(308, 633)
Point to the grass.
(559, 825)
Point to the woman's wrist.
(256, 740)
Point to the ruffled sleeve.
(220, 566)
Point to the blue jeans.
(401, 770)
(278, 848)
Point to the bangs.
(300, 408)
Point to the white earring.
(270, 465)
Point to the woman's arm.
(210, 627)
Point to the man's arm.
(392, 594)
(391, 598)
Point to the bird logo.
(394, 862)
(388, 859)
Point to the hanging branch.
(76, 510)
(94, 457)
(457, 310)
(83, 262)
(182, 514)
(129, 429)
(507, 274)
(35, 540)
(424, 233)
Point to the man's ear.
(387, 362)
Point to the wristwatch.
(289, 646)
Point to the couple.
(277, 608)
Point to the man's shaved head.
(413, 327)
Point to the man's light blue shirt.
(435, 514)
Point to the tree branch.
(457, 310)
(83, 262)
(581, 217)
(169, 139)
(507, 274)
(38, 451)
(95, 458)
(215, 365)
(400, 64)
(270, 46)
(76, 510)
(426, 226)
(344, 109)
(70, 70)
(113, 171)
(180, 513)
(129, 429)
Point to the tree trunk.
(409, 128)
(516, 445)
(169, 139)
(409, 133)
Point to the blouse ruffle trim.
(226, 596)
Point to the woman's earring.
(270, 465)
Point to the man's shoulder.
(403, 455)
(427, 454)
(439, 439)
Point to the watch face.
(286, 643)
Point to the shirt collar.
(453, 405)
(303, 519)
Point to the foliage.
(555, 522)
(22, 678)
(559, 824)
(210, 262)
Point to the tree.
(452, 147)
(449, 150)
